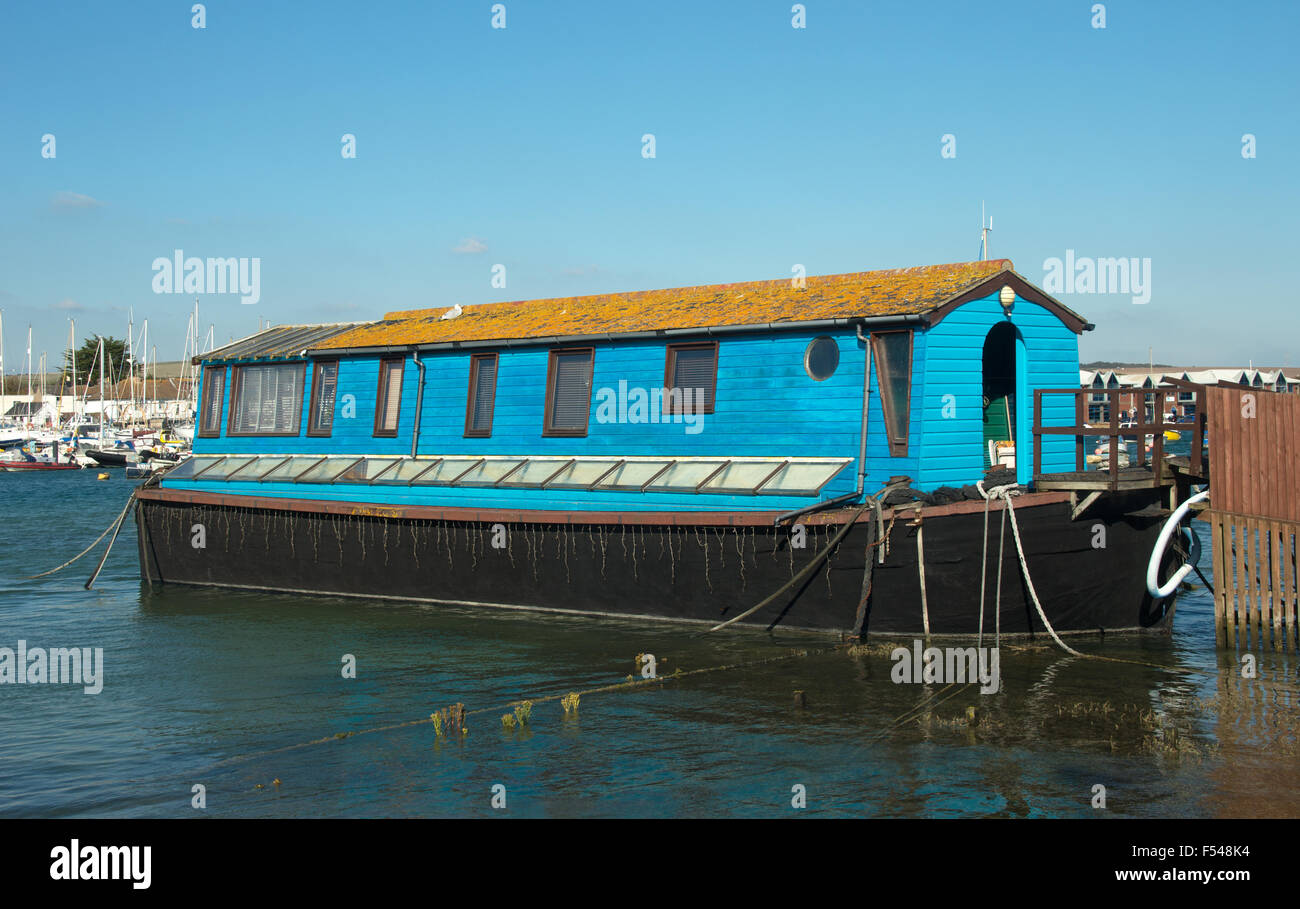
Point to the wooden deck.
(1089, 480)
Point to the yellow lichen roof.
(899, 291)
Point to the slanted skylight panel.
(633, 475)
(685, 475)
(290, 468)
(328, 470)
(743, 477)
(447, 471)
(802, 478)
(367, 470)
(538, 471)
(191, 466)
(583, 472)
(489, 471)
(407, 469)
(228, 467)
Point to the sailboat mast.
(102, 413)
(72, 357)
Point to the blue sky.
(774, 146)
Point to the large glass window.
(892, 351)
(266, 400)
(568, 392)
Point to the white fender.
(1158, 553)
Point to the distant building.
(1140, 388)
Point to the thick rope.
(109, 548)
(116, 523)
(799, 578)
(1005, 493)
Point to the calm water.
(209, 686)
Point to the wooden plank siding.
(766, 406)
(1254, 515)
(953, 447)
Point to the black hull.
(107, 458)
(674, 572)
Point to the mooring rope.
(803, 574)
(121, 519)
(932, 699)
(1006, 493)
(117, 522)
(601, 689)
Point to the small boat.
(111, 457)
(38, 465)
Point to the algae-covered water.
(234, 691)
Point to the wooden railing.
(1112, 430)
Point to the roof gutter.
(550, 340)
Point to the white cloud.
(66, 199)
(470, 246)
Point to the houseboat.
(699, 454)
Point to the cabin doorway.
(1000, 387)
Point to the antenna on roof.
(984, 233)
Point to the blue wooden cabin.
(738, 397)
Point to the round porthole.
(821, 358)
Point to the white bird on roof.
(452, 313)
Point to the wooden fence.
(1254, 515)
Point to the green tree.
(87, 358)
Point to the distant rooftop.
(278, 341)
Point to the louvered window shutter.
(571, 401)
(392, 397)
(485, 389)
(692, 370)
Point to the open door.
(1000, 396)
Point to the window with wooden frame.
(482, 395)
(690, 378)
(214, 392)
(388, 402)
(266, 400)
(892, 351)
(568, 392)
(324, 385)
